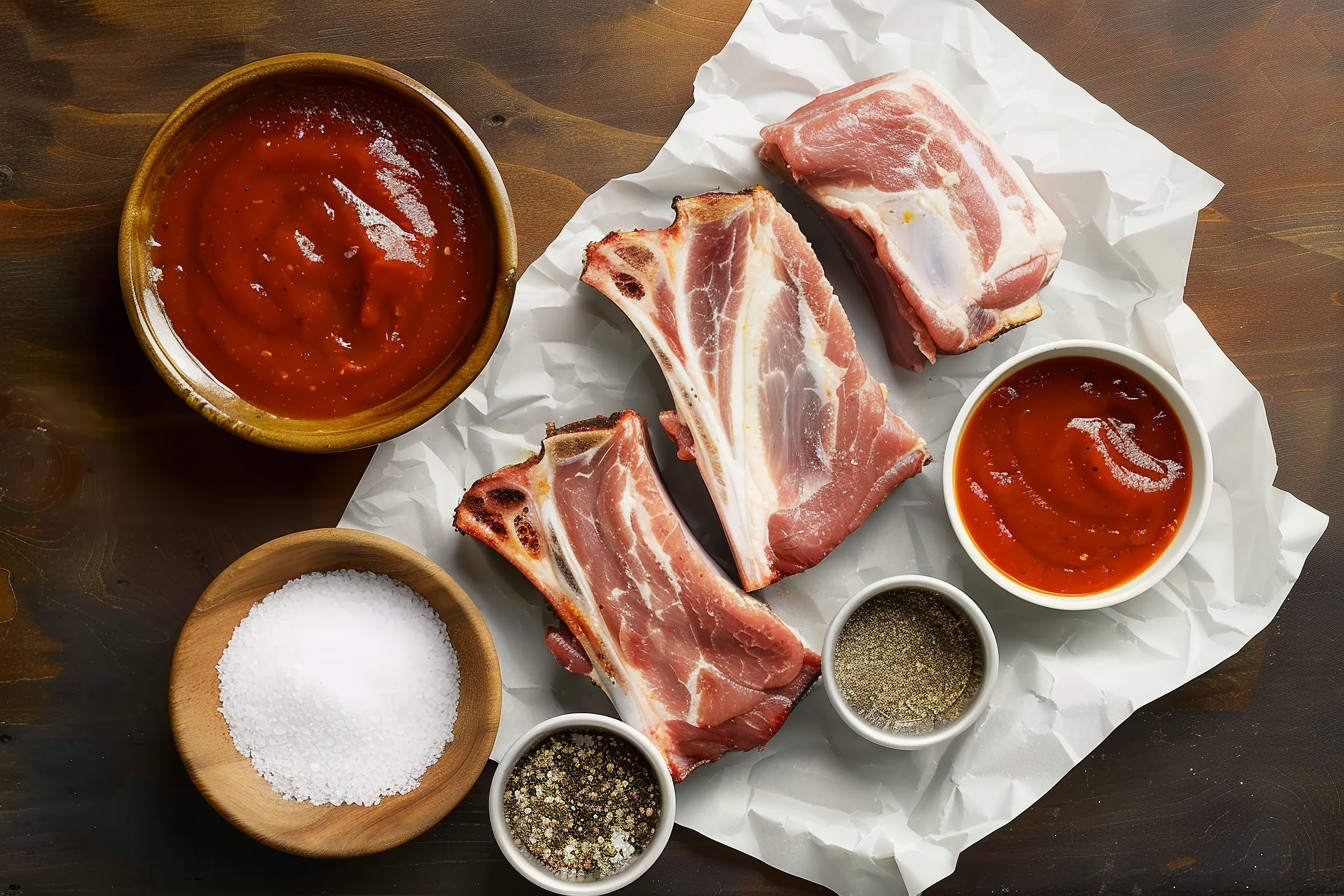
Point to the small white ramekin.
(1201, 472)
(989, 645)
(533, 870)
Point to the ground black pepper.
(908, 662)
(583, 802)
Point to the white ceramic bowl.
(953, 596)
(1201, 472)
(533, 870)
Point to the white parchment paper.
(818, 801)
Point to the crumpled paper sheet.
(818, 801)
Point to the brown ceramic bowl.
(227, 778)
(187, 376)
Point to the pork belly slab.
(949, 236)
(791, 433)
(688, 658)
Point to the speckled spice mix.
(908, 662)
(583, 802)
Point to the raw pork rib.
(791, 433)
(949, 236)
(688, 658)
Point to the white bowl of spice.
(582, 804)
(909, 662)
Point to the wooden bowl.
(186, 375)
(227, 779)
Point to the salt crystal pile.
(340, 687)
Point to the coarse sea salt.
(340, 687)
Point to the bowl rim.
(190, 379)
(325, 831)
(988, 642)
(641, 863)
(1201, 463)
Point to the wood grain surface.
(118, 504)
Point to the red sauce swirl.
(1072, 475)
(323, 248)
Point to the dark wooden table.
(118, 504)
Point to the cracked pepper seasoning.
(583, 803)
(908, 662)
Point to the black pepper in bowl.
(908, 662)
(582, 802)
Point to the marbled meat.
(950, 237)
(791, 433)
(687, 657)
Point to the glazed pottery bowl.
(188, 376)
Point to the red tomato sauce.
(1073, 475)
(323, 248)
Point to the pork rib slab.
(686, 657)
(964, 238)
(792, 434)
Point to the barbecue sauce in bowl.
(322, 248)
(1072, 476)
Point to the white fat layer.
(635, 514)
(557, 537)
(715, 450)
(916, 231)
(740, 440)
(826, 377)
(693, 686)
(760, 493)
(920, 233)
(901, 82)
(1020, 240)
(632, 702)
